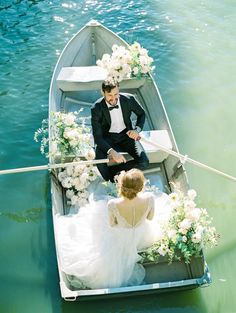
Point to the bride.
(98, 247)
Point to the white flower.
(79, 169)
(69, 170)
(62, 175)
(84, 178)
(69, 119)
(194, 214)
(90, 154)
(189, 204)
(135, 70)
(69, 193)
(185, 224)
(192, 194)
(184, 239)
(74, 200)
(162, 250)
(67, 182)
(196, 237)
(71, 134)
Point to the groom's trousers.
(122, 143)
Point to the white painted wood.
(90, 78)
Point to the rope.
(185, 158)
(51, 166)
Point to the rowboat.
(76, 84)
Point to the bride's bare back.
(132, 211)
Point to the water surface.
(193, 44)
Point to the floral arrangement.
(187, 232)
(70, 135)
(76, 179)
(125, 63)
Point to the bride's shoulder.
(147, 195)
(113, 202)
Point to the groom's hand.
(133, 134)
(116, 156)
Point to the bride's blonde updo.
(130, 183)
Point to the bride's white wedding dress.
(95, 255)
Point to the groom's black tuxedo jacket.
(101, 119)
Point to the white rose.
(69, 193)
(189, 204)
(69, 119)
(71, 134)
(62, 175)
(84, 178)
(197, 237)
(90, 154)
(185, 224)
(67, 182)
(69, 170)
(74, 200)
(194, 214)
(135, 70)
(192, 194)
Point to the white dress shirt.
(117, 120)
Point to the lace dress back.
(121, 221)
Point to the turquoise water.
(193, 44)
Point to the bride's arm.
(111, 216)
(151, 208)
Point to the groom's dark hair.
(107, 86)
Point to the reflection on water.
(29, 215)
(193, 47)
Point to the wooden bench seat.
(90, 78)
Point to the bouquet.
(187, 232)
(69, 136)
(125, 63)
(76, 179)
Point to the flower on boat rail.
(69, 136)
(75, 179)
(186, 233)
(126, 63)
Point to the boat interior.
(74, 87)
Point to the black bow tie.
(113, 107)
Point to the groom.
(113, 131)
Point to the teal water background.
(193, 44)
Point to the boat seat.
(155, 155)
(160, 137)
(76, 78)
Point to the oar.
(185, 158)
(51, 166)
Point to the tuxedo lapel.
(106, 112)
(124, 110)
